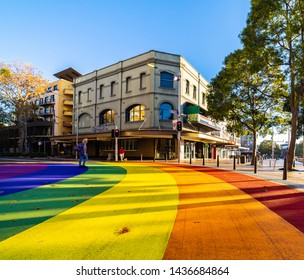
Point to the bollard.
(255, 164)
(203, 159)
(285, 169)
(274, 164)
(166, 158)
(217, 160)
(233, 162)
(190, 158)
(141, 158)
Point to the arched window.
(84, 120)
(166, 80)
(135, 113)
(106, 116)
(165, 111)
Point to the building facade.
(141, 97)
(51, 117)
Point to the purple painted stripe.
(51, 174)
(13, 170)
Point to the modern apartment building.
(141, 96)
(55, 108)
(52, 117)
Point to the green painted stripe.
(20, 211)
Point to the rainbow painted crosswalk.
(143, 211)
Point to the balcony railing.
(68, 91)
(67, 113)
(67, 124)
(68, 102)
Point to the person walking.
(121, 153)
(83, 154)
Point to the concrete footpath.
(271, 170)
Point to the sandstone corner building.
(140, 97)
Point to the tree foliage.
(19, 82)
(275, 36)
(267, 147)
(247, 96)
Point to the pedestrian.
(121, 153)
(83, 154)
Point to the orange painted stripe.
(216, 220)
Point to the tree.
(18, 82)
(246, 96)
(275, 36)
(265, 148)
(299, 149)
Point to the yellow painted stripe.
(132, 220)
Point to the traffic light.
(116, 132)
(179, 126)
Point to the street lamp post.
(179, 114)
(177, 78)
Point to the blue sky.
(91, 34)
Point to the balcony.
(68, 102)
(67, 124)
(47, 103)
(68, 91)
(67, 113)
(46, 113)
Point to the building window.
(142, 81)
(56, 87)
(108, 145)
(203, 98)
(187, 87)
(106, 116)
(112, 88)
(53, 98)
(88, 96)
(128, 84)
(47, 99)
(84, 120)
(41, 101)
(101, 92)
(49, 89)
(194, 92)
(129, 144)
(165, 111)
(36, 102)
(166, 80)
(135, 113)
(79, 97)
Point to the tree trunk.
(293, 136)
(254, 148)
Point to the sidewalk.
(266, 171)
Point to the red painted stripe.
(285, 201)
